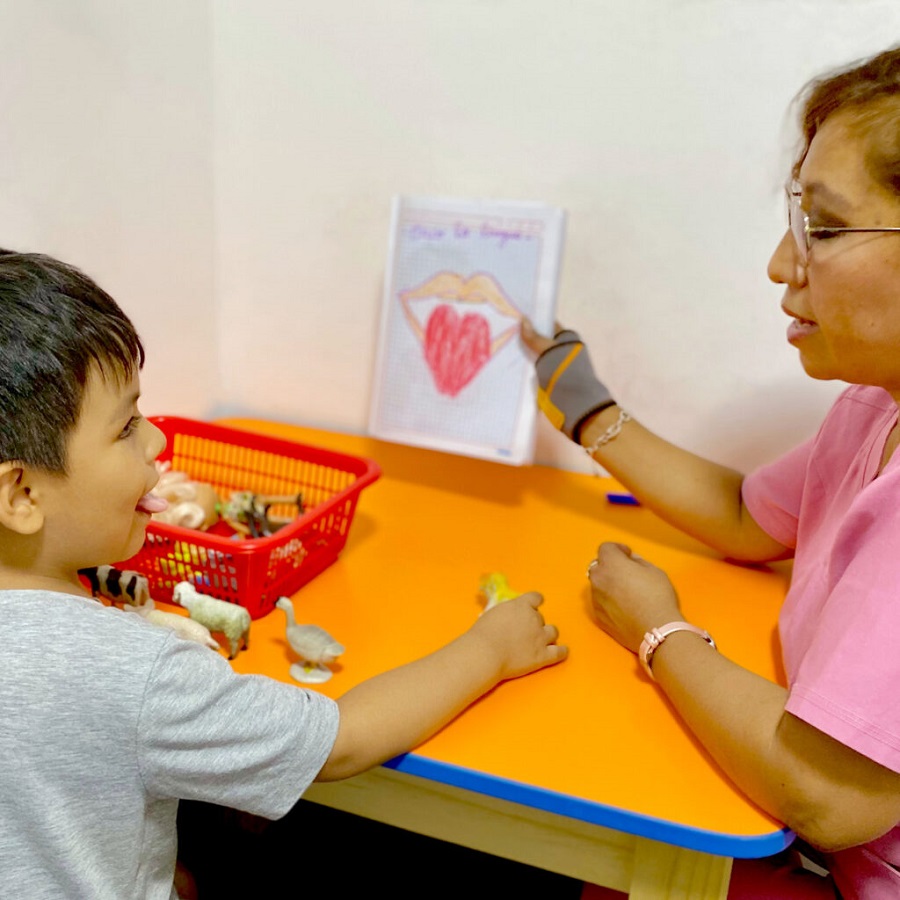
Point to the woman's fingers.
(535, 342)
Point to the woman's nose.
(785, 266)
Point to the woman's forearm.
(695, 495)
(824, 791)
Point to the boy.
(106, 721)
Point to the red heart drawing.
(456, 347)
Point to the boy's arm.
(394, 712)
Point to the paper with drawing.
(451, 373)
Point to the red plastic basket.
(253, 572)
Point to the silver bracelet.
(610, 434)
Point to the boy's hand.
(516, 633)
(629, 595)
(397, 710)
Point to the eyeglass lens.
(798, 223)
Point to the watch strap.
(654, 638)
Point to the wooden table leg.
(665, 872)
(647, 870)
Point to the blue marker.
(622, 499)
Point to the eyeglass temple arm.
(825, 229)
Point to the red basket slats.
(253, 572)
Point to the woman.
(823, 755)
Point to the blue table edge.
(679, 835)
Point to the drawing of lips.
(456, 348)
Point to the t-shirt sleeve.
(773, 494)
(846, 683)
(244, 741)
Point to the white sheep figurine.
(217, 615)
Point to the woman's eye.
(823, 232)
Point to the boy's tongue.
(151, 503)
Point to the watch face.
(645, 653)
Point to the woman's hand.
(569, 392)
(629, 596)
(537, 343)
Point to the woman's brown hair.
(867, 94)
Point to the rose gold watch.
(654, 638)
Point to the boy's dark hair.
(56, 325)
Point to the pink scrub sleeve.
(773, 494)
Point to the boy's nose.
(155, 443)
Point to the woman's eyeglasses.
(805, 234)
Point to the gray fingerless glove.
(569, 390)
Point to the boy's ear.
(18, 510)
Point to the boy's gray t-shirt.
(106, 721)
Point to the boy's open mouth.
(150, 503)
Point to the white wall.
(657, 125)
(226, 170)
(106, 162)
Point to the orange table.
(583, 768)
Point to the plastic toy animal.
(192, 504)
(183, 626)
(250, 514)
(217, 615)
(132, 591)
(117, 585)
(315, 647)
(494, 589)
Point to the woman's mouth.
(799, 329)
